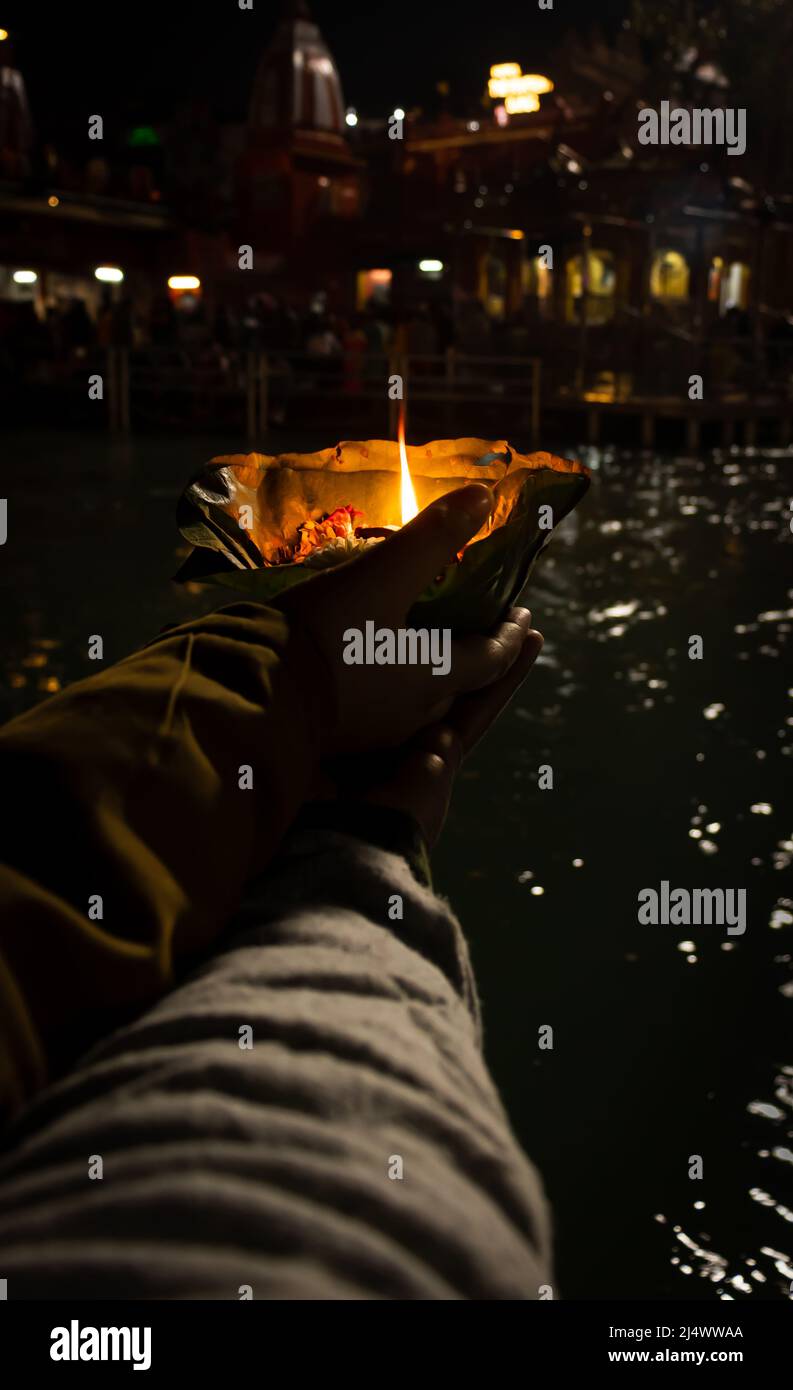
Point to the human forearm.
(133, 829)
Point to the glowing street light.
(184, 282)
(109, 274)
(25, 277)
(430, 267)
(398, 114)
(352, 116)
(3, 35)
(53, 201)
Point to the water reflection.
(665, 768)
(768, 1271)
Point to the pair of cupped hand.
(397, 735)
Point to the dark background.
(136, 60)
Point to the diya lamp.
(262, 523)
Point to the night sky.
(136, 59)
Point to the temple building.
(16, 127)
(297, 181)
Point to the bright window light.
(184, 282)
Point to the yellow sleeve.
(132, 829)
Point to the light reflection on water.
(669, 1041)
(664, 768)
(770, 1269)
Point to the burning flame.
(410, 506)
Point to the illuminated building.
(297, 169)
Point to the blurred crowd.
(54, 344)
(68, 332)
(349, 353)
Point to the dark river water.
(670, 1043)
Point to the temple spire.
(297, 84)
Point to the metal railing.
(357, 394)
(349, 389)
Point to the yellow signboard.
(508, 82)
(518, 105)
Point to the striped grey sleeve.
(308, 1116)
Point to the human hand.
(423, 780)
(371, 706)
